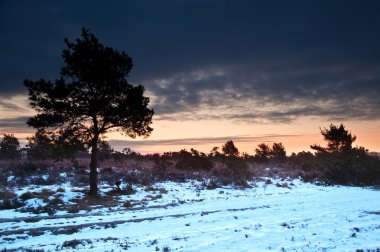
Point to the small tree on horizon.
(40, 146)
(338, 140)
(9, 147)
(105, 150)
(45, 145)
(278, 151)
(229, 149)
(91, 97)
(263, 152)
(214, 152)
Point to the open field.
(271, 215)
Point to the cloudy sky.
(250, 71)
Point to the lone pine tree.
(91, 97)
(339, 140)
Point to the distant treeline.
(337, 163)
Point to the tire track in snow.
(118, 222)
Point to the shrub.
(56, 201)
(232, 170)
(210, 184)
(355, 167)
(73, 244)
(129, 190)
(127, 204)
(65, 231)
(166, 249)
(7, 195)
(351, 170)
(268, 182)
(22, 171)
(61, 190)
(27, 196)
(11, 204)
(72, 209)
(45, 195)
(138, 177)
(187, 160)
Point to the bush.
(232, 170)
(346, 168)
(27, 196)
(138, 177)
(187, 160)
(11, 204)
(22, 171)
(7, 195)
(45, 195)
(73, 244)
(49, 209)
(351, 170)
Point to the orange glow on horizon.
(203, 135)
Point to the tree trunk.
(93, 168)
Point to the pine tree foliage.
(338, 140)
(229, 149)
(9, 147)
(91, 97)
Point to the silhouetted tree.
(190, 160)
(105, 150)
(9, 147)
(278, 151)
(263, 152)
(245, 155)
(338, 140)
(229, 149)
(40, 146)
(67, 145)
(48, 145)
(91, 97)
(214, 152)
(340, 163)
(194, 152)
(127, 151)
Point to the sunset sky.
(215, 70)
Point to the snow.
(188, 217)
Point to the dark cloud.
(257, 61)
(9, 106)
(15, 125)
(275, 92)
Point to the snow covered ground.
(277, 216)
